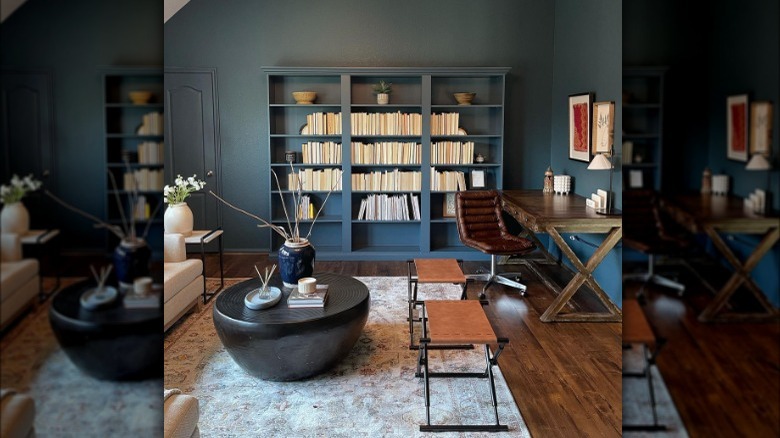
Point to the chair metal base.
(494, 277)
(651, 277)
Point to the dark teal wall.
(73, 40)
(241, 36)
(588, 59)
(735, 49)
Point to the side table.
(39, 240)
(203, 237)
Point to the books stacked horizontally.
(314, 299)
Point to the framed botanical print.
(737, 127)
(761, 128)
(579, 126)
(603, 127)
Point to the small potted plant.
(178, 216)
(382, 91)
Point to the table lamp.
(760, 162)
(600, 162)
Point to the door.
(26, 135)
(192, 138)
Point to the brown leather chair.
(648, 230)
(481, 226)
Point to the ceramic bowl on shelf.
(140, 97)
(304, 97)
(464, 98)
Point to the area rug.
(636, 400)
(69, 403)
(372, 392)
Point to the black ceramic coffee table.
(283, 344)
(113, 343)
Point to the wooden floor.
(565, 377)
(724, 378)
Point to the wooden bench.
(449, 324)
(636, 330)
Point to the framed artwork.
(761, 128)
(448, 209)
(737, 127)
(603, 127)
(477, 179)
(579, 126)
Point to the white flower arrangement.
(18, 188)
(177, 193)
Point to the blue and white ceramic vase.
(296, 260)
(131, 260)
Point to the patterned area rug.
(636, 400)
(69, 403)
(372, 392)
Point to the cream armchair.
(180, 415)
(19, 279)
(182, 280)
(17, 414)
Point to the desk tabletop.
(694, 210)
(538, 210)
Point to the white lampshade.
(758, 162)
(600, 162)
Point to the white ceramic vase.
(382, 98)
(178, 219)
(14, 218)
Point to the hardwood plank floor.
(565, 377)
(724, 378)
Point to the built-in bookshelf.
(643, 127)
(398, 162)
(133, 133)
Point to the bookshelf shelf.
(133, 136)
(643, 105)
(422, 92)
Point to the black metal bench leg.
(492, 383)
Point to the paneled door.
(26, 134)
(192, 138)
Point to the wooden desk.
(713, 215)
(555, 214)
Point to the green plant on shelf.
(383, 87)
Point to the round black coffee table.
(283, 344)
(113, 343)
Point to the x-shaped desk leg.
(741, 275)
(584, 275)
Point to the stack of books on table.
(314, 299)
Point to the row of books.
(144, 180)
(386, 152)
(141, 208)
(305, 208)
(445, 124)
(318, 298)
(315, 180)
(315, 152)
(386, 123)
(152, 124)
(150, 152)
(383, 207)
(452, 152)
(323, 124)
(388, 180)
(447, 180)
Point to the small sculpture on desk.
(706, 181)
(548, 180)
